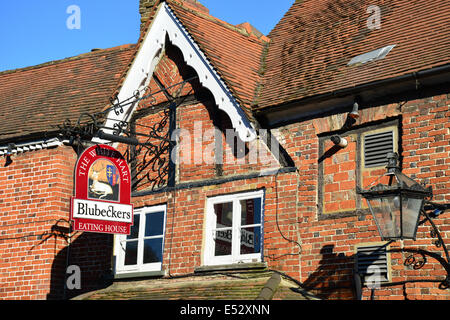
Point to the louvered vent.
(370, 259)
(376, 147)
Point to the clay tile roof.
(236, 286)
(313, 43)
(36, 99)
(235, 51)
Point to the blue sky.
(33, 32)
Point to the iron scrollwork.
(148, 151)
(84, 129)
(149, 161)
(119, 128)
(417, 258)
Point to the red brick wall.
(196, 123)
(329, 241)
(184, 235)
(186, 213)
(328, 237)
(316, 247)
(34, 195)
(339, 178)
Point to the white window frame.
(119, 247)
(208, 257)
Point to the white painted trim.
(208, 255)
(166, 23)
(119, 251)
(31, 146)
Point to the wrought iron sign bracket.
(417, 258)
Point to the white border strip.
(31, 146)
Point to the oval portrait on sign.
(104, 181)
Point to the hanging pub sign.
(102, 201)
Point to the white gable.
(166, 23)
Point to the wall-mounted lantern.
(395, 201)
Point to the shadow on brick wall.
(333, 277)
(92, 253)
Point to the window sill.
(137, 274)
(232, 267)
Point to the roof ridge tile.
(67, 59)
(243, 30)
